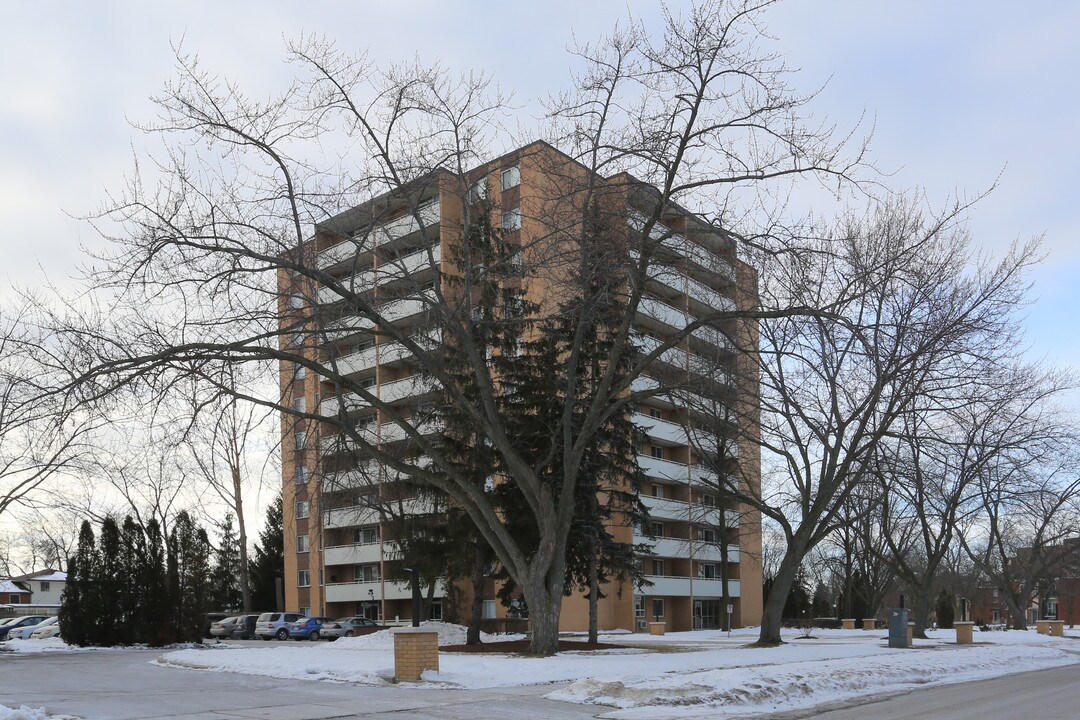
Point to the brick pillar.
(963, 632)
(415, 650)
(1057, 628)
(869, 624)
(910, 634)
(848, 623)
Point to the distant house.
(13, 593)
(34, 593)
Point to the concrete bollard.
(848, 623)
(415, 650)
(911, 634)
(963, 632)
(1057, 628)
(1042, 627)
(869, 624)
(657, 628)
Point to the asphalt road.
(122, 685)
(1043, 695)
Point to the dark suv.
(275, 625)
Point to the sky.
(960, 95)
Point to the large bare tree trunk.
(773, 613)
(476, 611)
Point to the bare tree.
(218, 262)
(222, 433)
(1025, 534)
(909, 313)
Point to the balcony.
(340, 256)
(666, 509)
(392, 312)
(659, 311)
(386, 433)
(687, 587)
(405, 388)
(409, 266)
(356, 554)
(359, 591)
(661, 430)
(710, 552)
(678, 283)
(681, 247)
(347, 517)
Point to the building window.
(657, 529)
(366, 573)
(300, 475)
(511, 177)
(708, 500)
(706, 535)
(366, 535)
(303, 579)
(511, 219)
(44, 586)
(658, 567)
(305, 611)
(656, 451)
(299, 372)
(478, 191)
(707, 571)
(300, 440)
(302, 544)
(299, 404)
(656, 413)
(303, 509)
(658, 607)
(657, 490)
(367, 383)
(639, 606)
(435, 611)
(488, 610)
(15, 600)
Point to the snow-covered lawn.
(26, 713)
(684, 674)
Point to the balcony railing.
(344, 252)
(389, 271)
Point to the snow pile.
(789, 686)
(23, 713)
(449, 634)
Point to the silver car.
(348, 627)
(224, 627)
(275, 625)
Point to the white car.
(24, 633)
(48, 631)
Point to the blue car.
(308, 628)
(20, 622)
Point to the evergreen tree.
(79, 604)
(189, 556)
(109, 581)
(159, 605)
(133, 594)
(268, 563)
(225, 593)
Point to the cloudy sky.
(960, 93)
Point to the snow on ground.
(55, 644)
(679, 674)
(26, 713)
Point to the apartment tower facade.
(341, 558)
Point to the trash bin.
(898, 627)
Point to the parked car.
(47, 631)
(224, 627)
(25, 631)
(347, 627)
(275, 625)
(210, 619)
(20, 622)
(308, 628)
(244, 629)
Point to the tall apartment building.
(337, 553)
